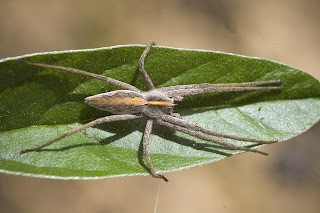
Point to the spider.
(157, 106)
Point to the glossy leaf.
(39, 104)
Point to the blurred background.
(283, 30)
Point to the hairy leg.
(146, 138)
(143, 72)
(206, 138)
(206, 85)
(110, 118)
(185, 124)
(185, 92)
(89, 74)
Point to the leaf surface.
(38, 104)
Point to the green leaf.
(38, 104)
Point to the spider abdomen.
(118, 102)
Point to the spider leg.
(206, 138)
(146, 137)
(206, 85)
(143, 72)
(183, 123)
(184, 92)
(92, 75)
(110, 118)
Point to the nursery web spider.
(157, 105)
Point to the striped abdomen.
(122, 102)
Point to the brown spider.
(157, 105)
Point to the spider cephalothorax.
(157, 105)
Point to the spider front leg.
(146, 138)
(110, 118)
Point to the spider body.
(157, 106)
(130, 102)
